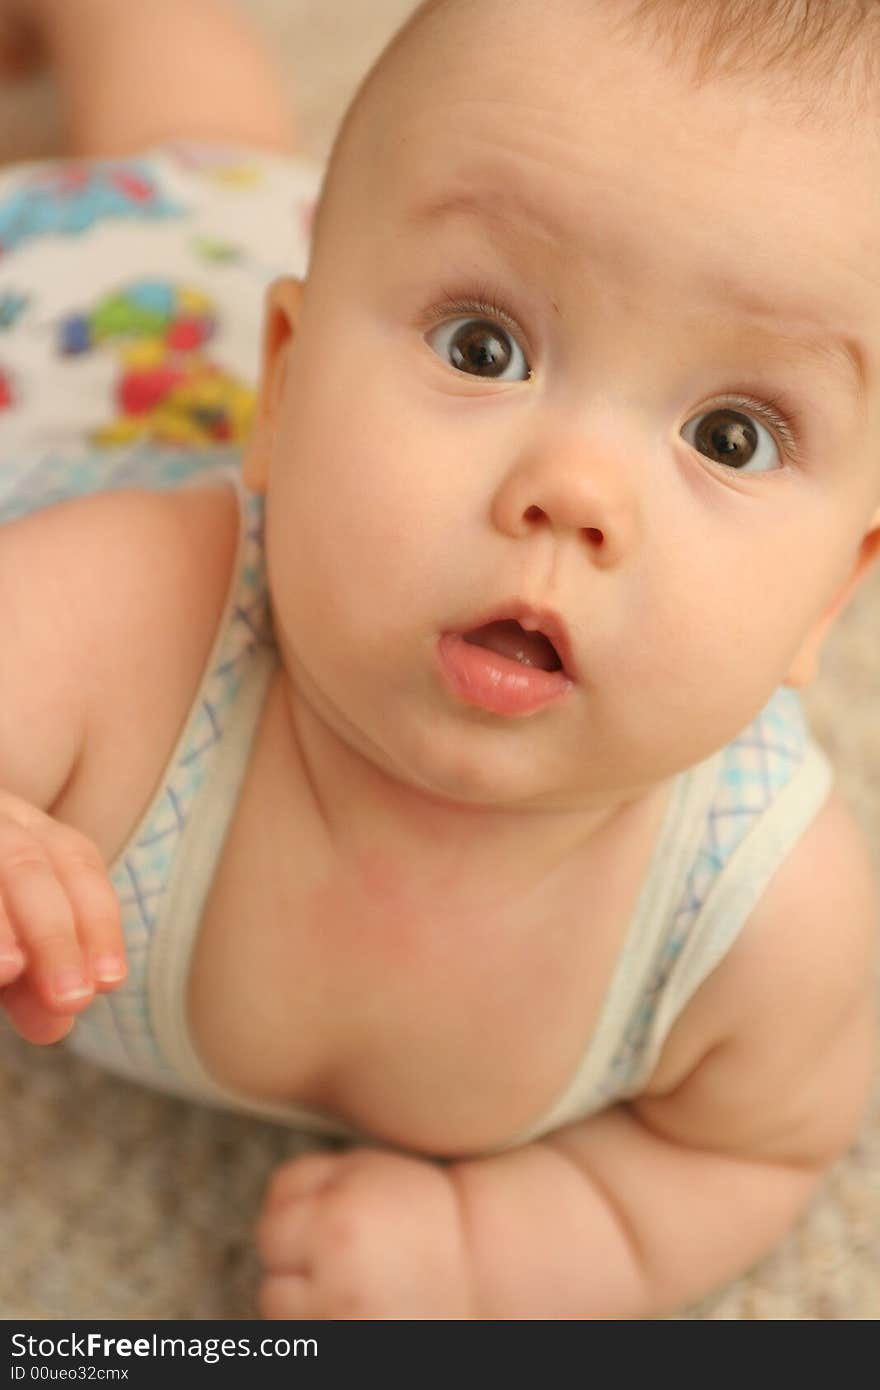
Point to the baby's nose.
(570, 487)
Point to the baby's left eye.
(480, 348)
(733, 438)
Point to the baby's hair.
(814, 41)
(814, 44)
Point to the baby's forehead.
(566, 95)
(812, 63)
(535, 58)
(580, 123)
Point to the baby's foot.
(21, 50)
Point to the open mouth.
(509, 638)
(509, 666)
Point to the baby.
(507, 853)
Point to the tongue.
(509, 639)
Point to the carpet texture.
(121, 1204)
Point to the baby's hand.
(365, 1234)
(60, 929)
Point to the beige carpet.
(119, 1204)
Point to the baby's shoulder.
(184, 542)
(783, 1031)
(141, 579)
(166, 561)
(130, 535)
(134, 570)
(809, 945)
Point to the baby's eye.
(480, 348)
(728, 436)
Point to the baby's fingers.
(96, 912)
(12, 957)
(43, 922)
(29, 1015)
(50, 891)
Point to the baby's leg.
(135, 73)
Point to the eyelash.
(485, 303)
(772, 411)
(776, 414)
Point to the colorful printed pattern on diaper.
(72, 198)
(220, 164)
(46, 479)
(168, 390)
(234, 169)
(12, 306)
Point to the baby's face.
(581, 338)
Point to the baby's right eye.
(480, 348)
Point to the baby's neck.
(363, 808)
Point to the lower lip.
(497, 683)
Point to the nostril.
(592, 533)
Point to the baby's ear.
(805, 666)
(281, 316)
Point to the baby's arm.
(99, 597)
(58, 915)
(637, 1211)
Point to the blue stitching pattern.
(755, 767)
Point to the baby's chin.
(453, 765)
(457, 778)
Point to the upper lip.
(535, 620)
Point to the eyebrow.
(509, 205)
(840, 352)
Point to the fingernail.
(11, 955)
(69, 985)
(109, 970)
